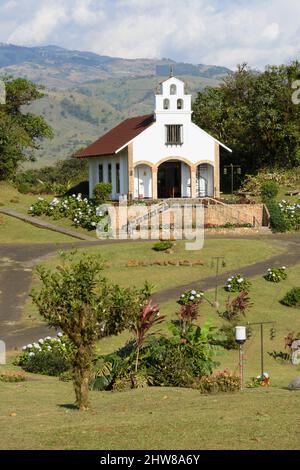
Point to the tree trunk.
(81, 375)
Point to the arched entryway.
(205, 180)
(173, 179)
(142, 181)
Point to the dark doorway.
(169, 180)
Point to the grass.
(36, 415)
(117, 255)
(16, 231)
(10, 197)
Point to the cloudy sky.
(222, 32)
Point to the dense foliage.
(254, 115)
(20, 131)
(57, 179)
(292, 298)
(163, 245)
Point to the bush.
(102, 192)
(47, 363)
(163, 245)
(291, 214)
(276, 274)
(277, 220)
(220, 382)
(269, 190)
(81, 211)
(49, 356)
(237, 283)
(8, 376)
(292, 298)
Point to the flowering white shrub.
(48, 355)
(276, 274)
(237, 283)
(81, 211)
(291, 214)
(190, 296)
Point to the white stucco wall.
(121, 159)
(150, 145)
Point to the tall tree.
(20, 131)
(253, 113)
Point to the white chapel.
(160, 155)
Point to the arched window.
(166, 103)
(173, 89)
(179, 103)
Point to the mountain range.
(87, 93)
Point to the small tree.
(77, 300)
(235, 309)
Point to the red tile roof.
(117, 137)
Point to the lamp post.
(232, 167)
(240, 337)
(261, 324)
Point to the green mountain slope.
(87, 94)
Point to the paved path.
(45, 225)
(18, 261)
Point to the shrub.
(276, 274)
(290, 214)
(237, 283)
(163, 245)
(81, 211)
(102, 192)
(277, 221)
(49, 356)
(11, 376)
(269, 190)
(292, 298)
(219, 382)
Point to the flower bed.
(81, 211)
(276, 274)
(237, 283)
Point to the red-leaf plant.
(147, 317)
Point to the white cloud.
(271, 31)
(208, 31)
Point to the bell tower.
(172, 102)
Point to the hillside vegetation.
(87, 94)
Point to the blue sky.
(221, 32)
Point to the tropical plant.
(189, 303)
(142, 323)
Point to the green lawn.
(32, 417)
(117, 255)
(16, 231)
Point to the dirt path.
(18, 261)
